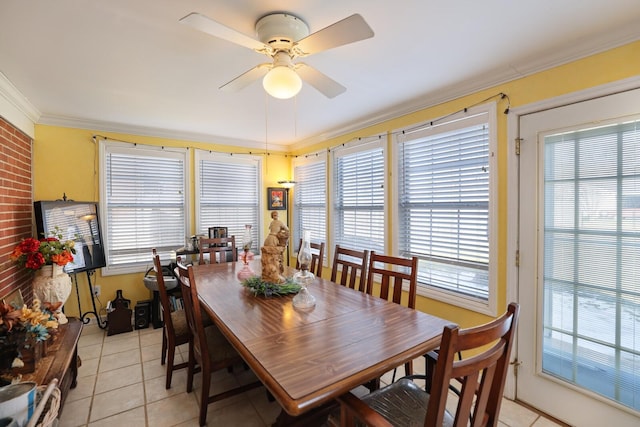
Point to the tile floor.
(121, 382)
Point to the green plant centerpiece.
(257, 286)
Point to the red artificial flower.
(35, 260)
(29, 245)
(33, 254)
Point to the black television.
(77, 221)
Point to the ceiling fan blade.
(216, 29)
(349, 30)
(245, 79)
(325, 85)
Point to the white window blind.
(144, 200)
(359, 197)
(591, 251)
(443, 210)
(227, 189)
(310, 199)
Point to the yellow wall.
(610, 66)
(65, 160)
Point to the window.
(444, 208)
(358, 208)
(310, 198)
(143, 194)
(228, 194)
(591, 252)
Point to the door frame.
(513, 184)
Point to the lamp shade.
(282, 82)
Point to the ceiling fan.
(284, 37)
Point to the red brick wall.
(16, 205)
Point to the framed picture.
(14, 299)
(276, 199)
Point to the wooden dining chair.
(208, 348)
(175, 331)
(393, 273)
(483, 376)
(351, 265)
(222, 246)
(317, 258)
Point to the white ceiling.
(130, 66)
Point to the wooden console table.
(61, 361)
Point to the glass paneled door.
(579, 276)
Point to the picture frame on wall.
(276, 198)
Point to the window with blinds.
(443, 205)
(227, 194)
(591, 253)
(144, 203)
(359, 197)
(310, 199)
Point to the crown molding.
(571, 53)
(17, 109)
(102, 126)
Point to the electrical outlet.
(96, 290)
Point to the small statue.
(272, 250)
(277, 232)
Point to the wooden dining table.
(307, 358)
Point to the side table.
(61, 361)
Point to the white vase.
(52, 284)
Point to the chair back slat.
(162, 291)
(222, 246)
(393, 273)
(193, 311)
(482, 375)
(352, 267)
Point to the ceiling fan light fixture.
(282, 82)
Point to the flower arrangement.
(33, 253)
(22, 328)
(259, 287)
(37, 322)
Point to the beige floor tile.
(88, 367)
(153, 369)
(90, 352)
(240, 413)
(84, 389)
(151, 352)
(92, 329)
(117, 401)
(184, 349)
(117, 378)
(268, 411)
(173, 410)
(121, 345)
(545, 422)
(91, 339)
(122, 335)
(190, 423)
(134, 418)
(515, 415)
(150, 338)
(119, 360)
(75, 413)
(155, 388)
